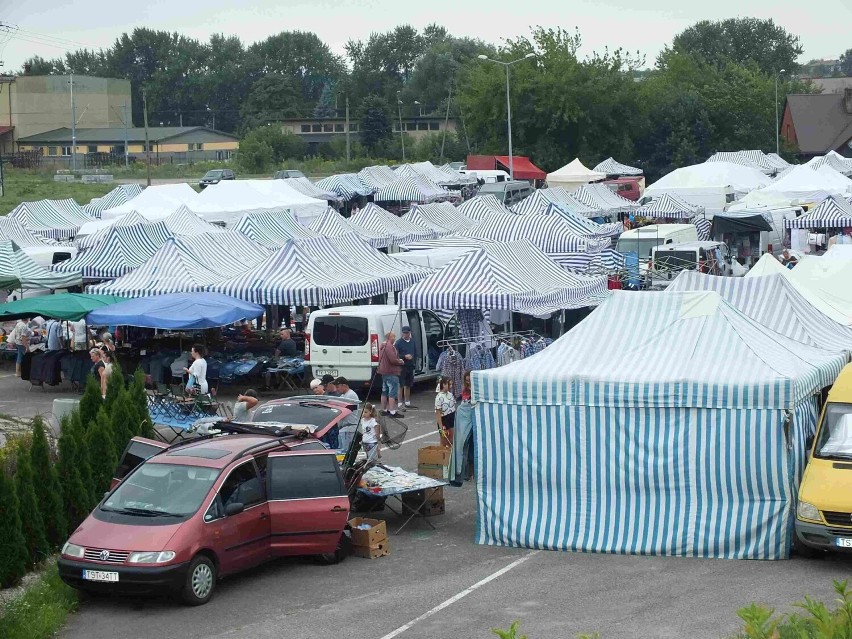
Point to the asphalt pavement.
(440, 584)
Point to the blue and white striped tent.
(411, 189)
(778, 162)
(463, 178)
(346, 185)
(304, 186)
(535, 204)
(19, 271)
(51, 218)
(669, 206)
(119, 250)
(375, 219)
(832, 212)
(428, 171)
(702, 228)
(600, 198)
(558, 195)
(744, 158)
(515, 276)
(184, 222)
(775, 303)
(483, 206)
(604, 263)
(272, 229)
(549, 233)
(119, 195)
(582, 226)
(377, 176)
(12, 229)
(441, 216)
(84, 242)
(834, 160)
(333, 224)
(612, 168)
(688, 439)
(228, 252)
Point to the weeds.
(40, 611)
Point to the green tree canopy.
(375, 122)
(270, 99)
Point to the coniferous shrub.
(76, 492)
(47, 488)
(115, 386)
(32, 523)
(14, 555)
(90, 403)
(103, 456)
(140, 400)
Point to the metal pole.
(348, 147)
(777, 125)
(73, 128)
(126, 156)
(147, 145)
(446, 122)
(509, 124)
(401, 132)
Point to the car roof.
(220, 451)
(368, 310)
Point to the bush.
(32, 523)
(255, 155)
(115, 386)
(124, 420)
(103, 455)
(90, 402)
(13, 545)
(47, 489)
(73, 471)
(139, 398)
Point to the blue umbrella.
(176, 311)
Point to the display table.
(392, 481)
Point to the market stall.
(741, 231)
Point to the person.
(389, 368)
(54, 335)
(20, 339)
(317, 387)
(329, 385)
(371, 433)
(788, 259)
(106, 342)
(245, 405)
(465, 394)
(445, 410)
(407, 350)
(344, 391)
(96, 356)
(197, 371)
(286, 347)
(300, 319)
(106, 371)
(79, 335)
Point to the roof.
(6, 129)
(233, 444)
(522, 167)
(116, 134)
(820, 121)
(611, 166)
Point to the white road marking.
(464, 593)
(413, 439)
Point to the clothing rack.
(493, 338)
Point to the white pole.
(126, 158)
(509, 126)
(73, 128)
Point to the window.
(197, 146)
(66, 150)
(422, 126)
(338, 128)
(340, 331)
(306, 128)
(434, 333)
(316, 128)
(51, 150)
(304, 477)
(410, 126)
(136, 453)
(92, 148)
(241, 487)
(433, 126)
(328, 128)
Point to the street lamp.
(401, 131)
(777, 124)
(419, 108)
(508, 104)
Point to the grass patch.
(41, 610)
(26, 186)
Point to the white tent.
(230, 199)
(573, 175)
(156, 202)
(801, 184)
(710, 185)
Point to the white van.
(508, 193)
(487, 176)
(344, 341)
(669, 260)
(47, 256)
(643, 239)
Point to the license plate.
(325, 371)
(843, 542)
(99, 575)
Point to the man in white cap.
(317, 387)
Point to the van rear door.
(339, 341)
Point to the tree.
(140, 399)
(271, 99)
(115, 387)
(90, 402)
(325, 108)
(48, 489)
(375, 122)
(740, 40)
(103, 455)
(32, 523)
(846, 63)
(73, 471)
(14, 556)
(255, 154)
(124, 420)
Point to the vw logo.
(104, 555)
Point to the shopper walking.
(390, 366)
(197, 372)
(20, 339)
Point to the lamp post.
(401, 130)
(508, 104)
(419, 108)
(777, 124)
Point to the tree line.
(711, 89)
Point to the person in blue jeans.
(407, 350)
(390, 366)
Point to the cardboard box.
(377, 534)
(433, 471)
(434, 455)
(417, 500)
(372, 552)
(433, 508)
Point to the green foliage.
(90, 402)
(73, 471)
(255, 155)
(48, 490)
(846, 63)
(13, 546)
(32, 523)
(375, 122)
(124, 420)
(115, 386)
(103, 455)
(41, 610)
(21, 186)
(270, 99)
(140, 400)
(511, 632)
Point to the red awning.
(6, 129)
(523, 168)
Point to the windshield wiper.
(142, 512)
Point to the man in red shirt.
(390, 366)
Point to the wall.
(788, 131)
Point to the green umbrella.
(62, 306)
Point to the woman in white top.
(197, 371)
(106, 371)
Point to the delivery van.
(344, 341)
(668, 261)
(643, 239)
(824, 511)
(508, 193)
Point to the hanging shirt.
(453, 368)
(54, 336)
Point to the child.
(371, 433)
(445, 411)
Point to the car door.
(433, 333)
(308, 503)
(413, 320)
(240, 540)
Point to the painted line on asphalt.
(464, 593)
(413, 439)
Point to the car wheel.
(806, 551)
(340, 553)
(200, 581)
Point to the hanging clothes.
(453, 367)
(470, 323)
(479, 358)
(462, 443)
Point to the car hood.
(94, 533)
(826, 486)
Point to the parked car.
(287, 174)
(509, 193)
(628, 188)
(215, 176)
(200, 510)
(670, 259)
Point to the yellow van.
(824, 512)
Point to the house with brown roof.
(819, 123)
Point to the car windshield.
(296, 413)
(213, 174)
(640, 245)
(835, 434)
(162, 490)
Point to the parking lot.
(440, 584)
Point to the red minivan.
(204, 509)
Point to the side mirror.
(234, 509)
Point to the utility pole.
(180, 119)
(214, 120)
(401, 130)
(147, 145)
(126, 157)
(348, 147)
(446, 122)
(73, 128)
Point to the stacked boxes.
(418, 500)
(369, 542)
(434, 462)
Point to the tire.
(340, 553)
(200, 581)
(807, 552)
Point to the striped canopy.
(463, 178)
(773, 302)
(560, 195)
(777, 161)
(515, 276)
(12, 229)
(429, 171)
(702, 228)
(56, 219)
(377, 177)
(118, 251)
(443, 217)
(227, 252)
(346, 185)
(606, 262)
(832, 212)
(185, 222)
(19, 271)
(411, 189)
(740, 157)
(376, 219)
(306, 187)
(333, 224)
(483, 206)
(583, 226)
(668, 205)
(834, 160)
(126, 221)
(272, 229)
(549, 233)
(611, 167)
(600, 198)
(119, 195)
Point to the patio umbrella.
(62, 306)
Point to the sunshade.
(176, 311)
(62, 306)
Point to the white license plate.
(325, 371)
(99, 575)
(843, 542)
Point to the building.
(170, 143)
(819, 123)
(832, 85)
(30, 105)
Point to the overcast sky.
(50, 27)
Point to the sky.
(49, 28)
